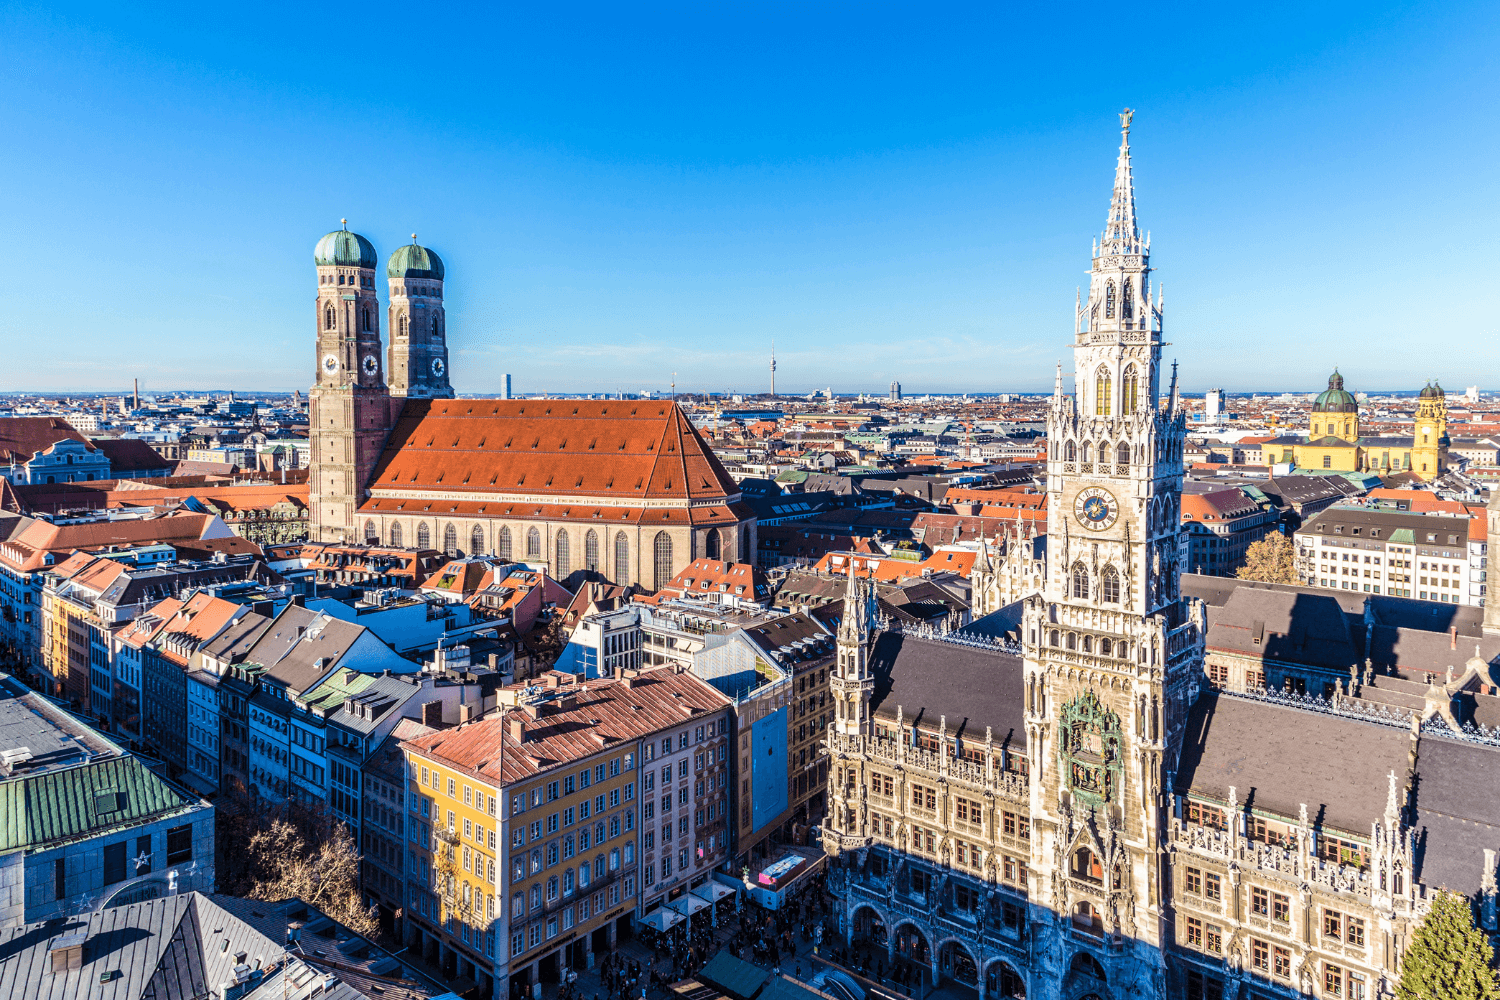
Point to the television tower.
(773, 369)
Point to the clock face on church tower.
(330, 364)
(1096, 508)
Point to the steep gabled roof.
(22, 437)
(623, 450)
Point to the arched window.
(396, 535)
(1053, 638)
(561, 567)
(1129, 390)
(1127, 302)
(591, 551)
(371, 535)
(1102, 393)
(711, 544)
(1080, 580)
(661, 550)
(1088, 452)
(1088, 644)
(1109, 300)
(1070, 453)
(533, 544)
(450, 541)
(364, 320)
(1109, 586)
(502, 542)
(1122, 454)
(405, 326)
(1086, 865)
(424, 536)
(622, 559)
(1072, 640)
(328, 317)
(476, 540)
(1105, 647)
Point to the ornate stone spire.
(855, 625)
(1121, 235)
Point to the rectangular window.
(1260, 902)
(1281, 962)
(114, 863)
(1354, 930)
(1213, 939)
(1193, 881)
(1211, 886)
(1194, 932)
(59, 879)
(179, 844)
(1260, 956)
(1281, 907)
(1333, 980)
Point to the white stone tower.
(1111, 652)
(419, 345)
(349, 405)
(852, 683)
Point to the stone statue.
(1125, 119)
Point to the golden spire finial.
(345, 223)
(1125, 117)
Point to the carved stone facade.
(1008, 572)
(1121, 830)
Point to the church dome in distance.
(1432, 391)
(1334, 399)
(413, 261)
(342, 248)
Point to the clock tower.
(349, 407)
(1111, 650)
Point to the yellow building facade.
(1334, 441)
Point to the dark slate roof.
(972, 686)
(1263, 751)
(1453, 824)
(1310, 627)
(130, 455)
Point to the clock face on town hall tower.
(1096, 508)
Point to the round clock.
(437, 367)
(370, 365)
(1096, 508)
(330, 363)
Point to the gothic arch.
(661, 549)
(371, 535)
(711, 544)
(1002, 981)
(424, 535)
(1087, 454)
(562, 567)
(450, 541)
(533, 543)
(1109, 300)
(502, 542)
(476, 540)
(395, 534)
(1070, 452)
(1127, 300)
(1103, 390)
(1080, 580)
(591, 551)
(1122, 454)
(622, 558)
(328, 317)
(1109, 585)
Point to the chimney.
(432, 714)
(300, 600)
(466, 712)
(1452, 636)
(350, 675)
(518, 730)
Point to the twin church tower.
(360, 390)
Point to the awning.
(662, 919)
(688, 904)
(713, 891)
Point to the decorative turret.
(1429, 446)
(852, 683)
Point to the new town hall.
(1073, 810)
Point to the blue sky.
(625, 191)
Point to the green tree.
(1273, 559)
(1448, 958)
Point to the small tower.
(1429, 443)
(852, 682)
(419, 346)
(349, 405)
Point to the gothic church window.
(711, 544)
(1088, 452)
(1129, 389)
(1070, 453)
(1122, 454)
(591, 551)
(450, 541)
(502, 542)
(563, 566)
(396, 535)
(1109, 300)
(1080, 581)
(1109, 586)
(533, 544)
(476, 540)
(328, 317)
(1102, 393)
(371, 535)
(1127, 304)
(622, 559)
(424, 535)
(662, 551)
(364, 320)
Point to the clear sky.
(624, 191)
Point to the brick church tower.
(349, 407)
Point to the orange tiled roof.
(619, 450)
(27, 551)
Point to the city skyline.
(604, 238)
